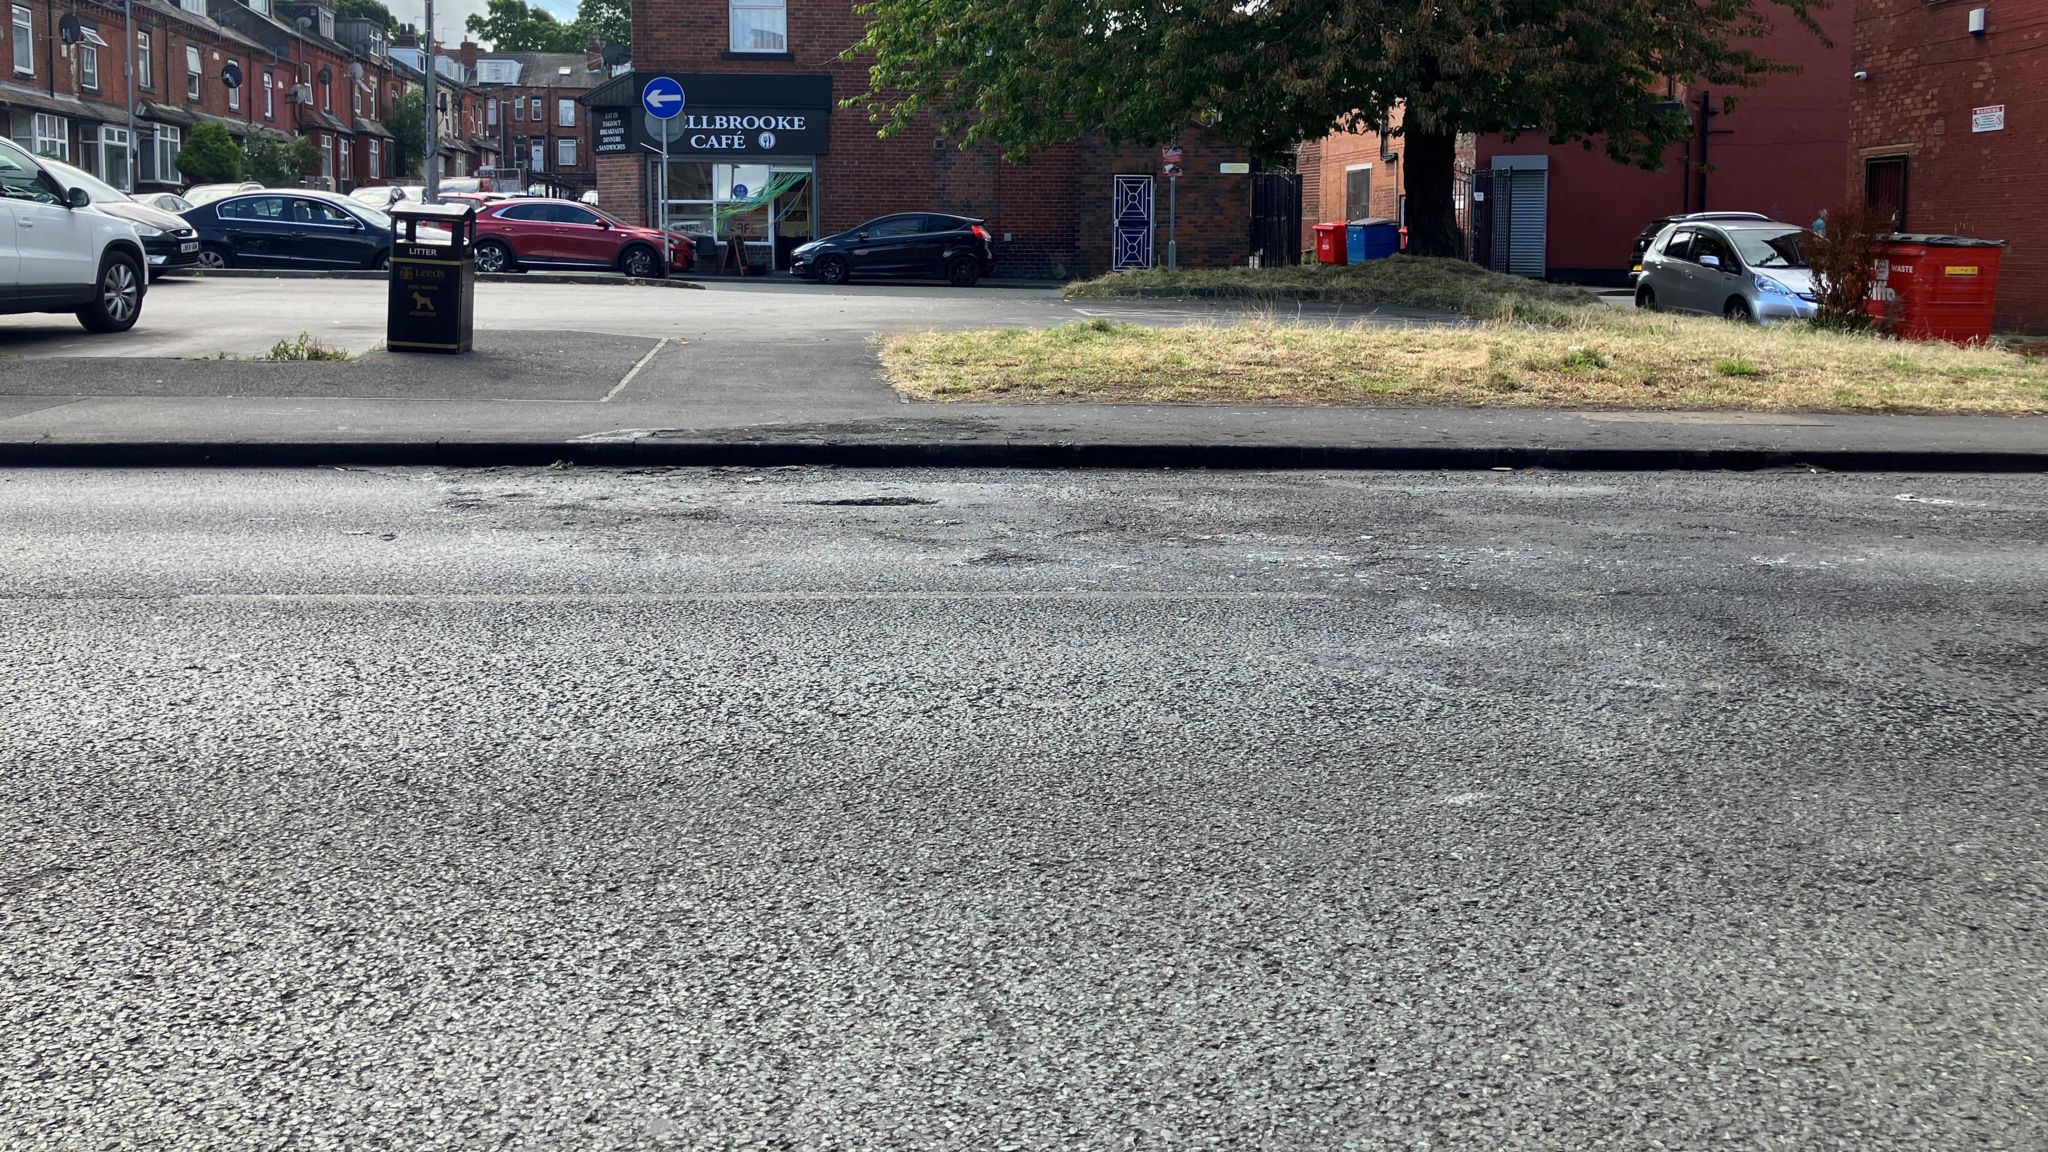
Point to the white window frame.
(89, 68)
(24, 41)
(145, 58)
(167, 140)
(733, 24)
(537, 117)
(491, 113)
(235, 96)
(194, 73)
(565, 113)
(519, 109)
(355, 97)
(51, 135)
(269, 98)
(327, 161)
(565, 153)
(347, 163)
(113, 136)
(376, 159)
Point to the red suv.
(533, 233)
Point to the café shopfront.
(743, 159)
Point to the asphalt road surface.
(790, 809)
(240, 317)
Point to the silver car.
(1741, 269)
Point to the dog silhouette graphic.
(421, 303)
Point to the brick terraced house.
(536, 115)
(762, 81)
(1949, 131)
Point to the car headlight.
(1770, 287)
(148, 230)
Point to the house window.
(536, 109)
(327, 161)
(89, 66)
(145, 70)
(347, 162)
(376, 160)
(192, 72)
(52, 135)
(759, 26)
(540, 156)
(235, 95)
(158, 159)
(565, 113)
(24, 41)
(113, 155)
(197, 7)
(355, 97)
(269, 98)
(1884, 190)
(491, 113)
(326, 96)
(518, 109)
(565, 153)
(1358, 192)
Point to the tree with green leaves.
(610, 21)
(1027, 74)
(515, 26)
(408, 126)
(210, 156)
(372, 10)
(280, 162)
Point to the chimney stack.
(593, 55)
(466, 52)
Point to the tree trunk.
(1432, 159)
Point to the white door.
(10, 263)
(55, 244)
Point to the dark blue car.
(290, 228)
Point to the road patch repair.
(1524, 348)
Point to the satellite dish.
(305, 23)
(231, 74)
(616, 54)
(355, 71)
(68, 30)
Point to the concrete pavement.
(790, 809)
(779, 372)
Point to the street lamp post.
(128, 65)
(431, 161)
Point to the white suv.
(54, 258)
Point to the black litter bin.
(433, 278)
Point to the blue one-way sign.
(663, 98)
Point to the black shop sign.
(730, 116)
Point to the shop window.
(51, 135)
(24, 41)
(759, 26)
(145, 67)
(1884, 190)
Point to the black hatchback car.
(290, 228)
(907, 246)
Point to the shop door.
(1131, 217)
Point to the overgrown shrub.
(1844, 260)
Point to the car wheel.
(831, 269)
(1646, 299)
(492, 256)
(638, 263)
(1738, 311)
(212, 259)
(963, 272)
(382, 263)
(117, 300)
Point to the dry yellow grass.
(1602, 359)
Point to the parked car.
(207, 193)
(1635, 260)
(291, 228)
(167, 240)
(539, 233)
(908, 245)
(170, 202)
(1751, 270)
(383, 196)
(63, 258)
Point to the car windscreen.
(101, 191)
(377, 219)
(1769, 249)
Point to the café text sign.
(725, 115)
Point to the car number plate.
(189, 246)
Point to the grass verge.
(1602, 358)
(1426, 283)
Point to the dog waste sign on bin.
(433, 278)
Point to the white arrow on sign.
(663, 99)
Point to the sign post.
(1171, 158)
(663, 99)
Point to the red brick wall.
(1926, 75)
(1054, 210)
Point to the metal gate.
(1276, 219)
(1131, 223)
